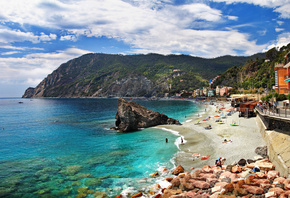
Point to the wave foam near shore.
(178, 140)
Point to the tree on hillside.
(271, 53)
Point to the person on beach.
(208, 127)
(181, 140)
(218, 162)
(255, 169)
(226, 141)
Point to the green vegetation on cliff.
(94, 75)
(256, 73)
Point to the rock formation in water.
(131, 116)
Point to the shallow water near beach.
(64, 147)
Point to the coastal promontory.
(131, 116)
(115, 75)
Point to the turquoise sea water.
(64, 147)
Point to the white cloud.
(33, 67)
(279, 29)
(68, 38)
(234, 18)
(284, 10)
(9, 53)
(5, 46)
(44, 37)
(280, 6)
(148, 26)
(282, 40)
(199, 11)
(9, 36)
(266, 3)
(280, 22)
(262, 32)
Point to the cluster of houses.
(282, 82)
(210, 92)
(206, 92)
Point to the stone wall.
(278, 142)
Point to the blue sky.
(36, 36)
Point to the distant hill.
(109, 75)
(255, 73)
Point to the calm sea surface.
(64, 147)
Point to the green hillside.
(95, 75)
(256, 73)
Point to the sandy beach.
(245, 138)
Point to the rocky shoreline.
(228, 181)
(232, 180)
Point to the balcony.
(287, 65)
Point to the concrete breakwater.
(278, 143)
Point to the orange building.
(282, 76)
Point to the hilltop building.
(282, 76)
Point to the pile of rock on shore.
(227, 182)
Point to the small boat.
(205, 157)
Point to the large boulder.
(177, 170)
(242, 162)
(254, 190)
(200, 184)
(131, 116)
